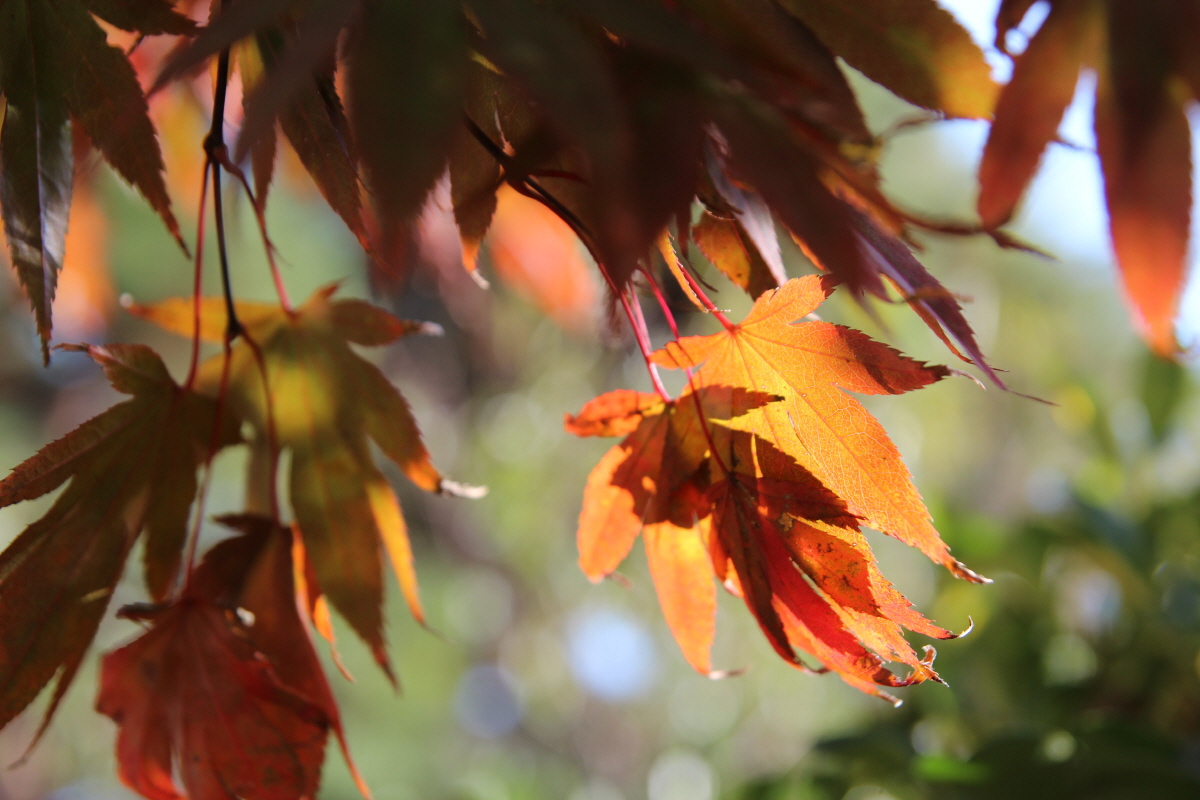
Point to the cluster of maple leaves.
(622, 117)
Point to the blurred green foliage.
(1083, 683)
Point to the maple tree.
(652, 130)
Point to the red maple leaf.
(224, 688)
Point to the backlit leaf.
(766, 153)
(712, 500)
(324, 404)
(1144, 141)
(813, 365)
(130, 468)
(683, 578)
(932, 301)
(1146, 67)
(1031, 106)
(915, 48)
(195, 695)
(727, 245)
(634, 482)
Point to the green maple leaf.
(324, 404)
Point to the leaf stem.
(233, 326)
(272, 433)
(642, 333)
(261, 218)
(662, 302)
(698, 289)
(695, 392)
(215, 150)
(214, 444)
(197, 279)
(528, 186)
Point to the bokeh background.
(1081, 678)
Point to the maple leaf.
(130, 468)
(712, 501)
(56, 65)
(225, 687)
(602, 111)
(474, 172)
(915, 48)
(310, 116)
(1146, 77)
(621, 156)
(324, 404)
(634, 479)
(644, 483)
(727, 244)
(925, 294)
(276, 593)
(403, 82)
(812, 365)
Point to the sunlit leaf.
(1031, 106)
(813, 366)
(913, 47)
(323, 404)
(1145, 143)
(713, 500)
(727, 245)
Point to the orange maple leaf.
(812, 366)
(650, 482)
(765, 491)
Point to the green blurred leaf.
(1164, 383)
(945, 769)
